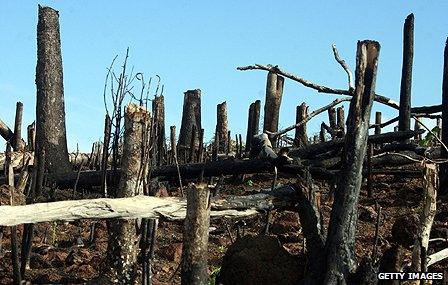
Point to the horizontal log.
(171, 208)
(311, 151)
(427, 109)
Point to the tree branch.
(351, 84)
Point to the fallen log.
(170, 208)
(311, 151)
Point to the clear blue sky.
(199, 44)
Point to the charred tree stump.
(341, 234)
(332, 121)
(50, 112)
(322, 132)
(377, 123)
(417, 128)
(18, 145)
(340, 121)
(123, 236)
(221, 126)
(249, 134)
(404, 121)
(31, 135)
(274, 92)
(196, 227)
(105, 158)
(256, 120)
(301, 137)
(158, 110)
(191, 116)
(443, 170)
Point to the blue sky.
(199, 44)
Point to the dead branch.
(351, 84)
(320, 88)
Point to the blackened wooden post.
(221, 126)
(377, 123)
(274, 92)
(18, 144)
(241, 145)
(332, 121)
(322, 132)
(123, 248)
(105, 157)
(340, 121)
(301, 136)
(404, 122)
(50, 110)
(341, 259)
(191, 116)
(31, 135)
(443, 169)
(195, 248)
(250, 120)
(158, 111)
(256, 121)
(417, 128)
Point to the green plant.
(215, 272)
(429, 137)
(222, 249)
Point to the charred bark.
(191, 116)
(341, 260)
(197, 222)
(158, 111)
(123, 236)
(301, 136)
(274, 92)
(404, 122)
(221, 126)
(443, 170)
(50, 112)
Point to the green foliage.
(222, 249)
(429, 138)
(249, 183)
(214, 274)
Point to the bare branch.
(320, 88)
(310, 116)
(351, 84)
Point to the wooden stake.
(377, 123)
(17, 141)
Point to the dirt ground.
(62, 251)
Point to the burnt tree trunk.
(18, 145)
(274, 92)
(50, 113)
(191, 116)
(301, 137)
(123, 236)
(404, 122)
(332, 121)
(256, 120)
(158, 110)
(340, 112)
(377, 123)
(249, 134)
(221, 126)
(196, 227)
(340, 243)
(105, 157)
(443, 170)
